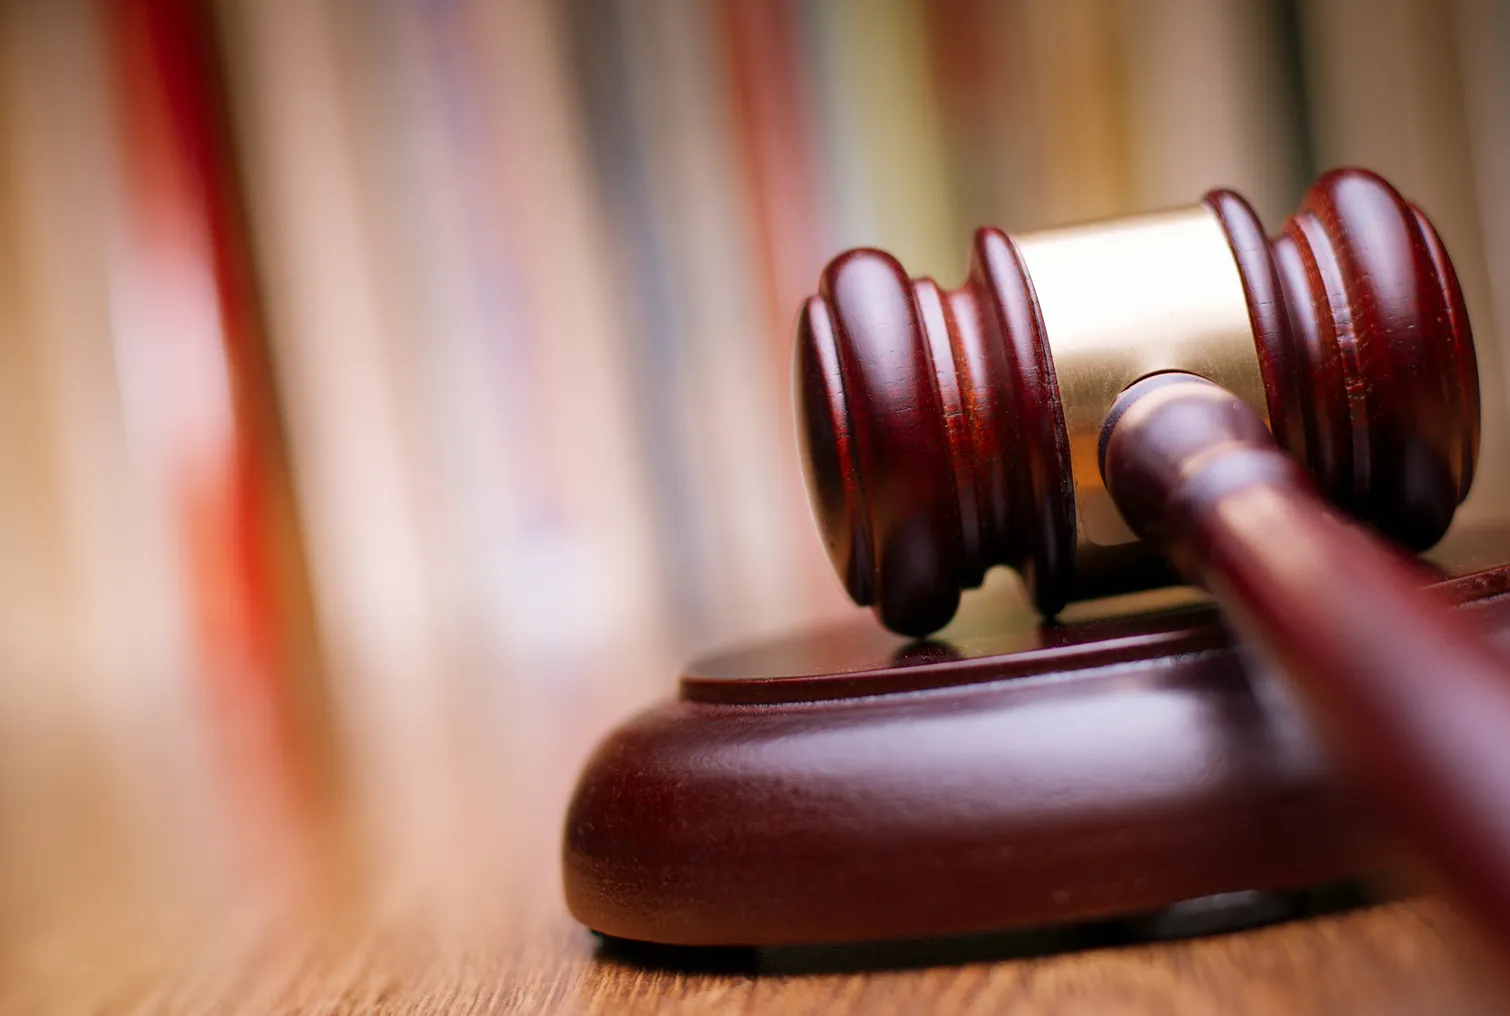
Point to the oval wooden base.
(851, 787)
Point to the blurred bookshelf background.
(374, 369)
(346, 344)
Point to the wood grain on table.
(199, 856)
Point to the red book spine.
(196, 378)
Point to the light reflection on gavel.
(1274, 416)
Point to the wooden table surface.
(207, 853)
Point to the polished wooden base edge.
(1003, 797)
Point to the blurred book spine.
(1077, 52)
(780, 176)
(154, 569)
(599, 566)
(643, 287)
(457, 335)
(1242, 128)
(308, 155)
(195, 376)
(202, 419)
(83, 590)
(982, 65)
(516, 349)
(886, 169)
(1483, 42)
(659, 111)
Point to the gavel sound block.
(1082, 385)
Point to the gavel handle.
(1408, 694)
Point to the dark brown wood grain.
(932, 427)
(932, 434)
(1415, 697)
(848, 785)
(1366, 350)
(1002, 804)
(822, 790)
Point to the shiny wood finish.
(822, 791)
(1366, 350)
(848, 785)
(1413, 696)
(1012, 802)
(933, 430)
(933, 437)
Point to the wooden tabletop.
(213, 851)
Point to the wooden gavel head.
(947, 431)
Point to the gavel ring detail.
(947, 431)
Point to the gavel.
(1278, 418)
